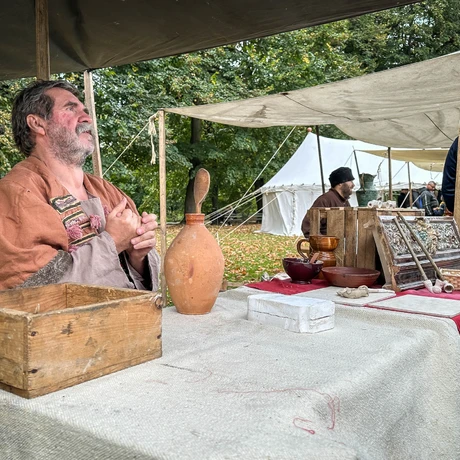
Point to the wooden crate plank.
(34, 392)
(34, 300)
(75, 344)
(351, 230)
(336, 227)
(314, 215)
(366, 251)
(13, 348)
(81, 294)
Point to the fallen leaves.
(248, 253)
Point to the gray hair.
(33, 100)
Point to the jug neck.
(194, 218)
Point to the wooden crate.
(398, 266)
(354, 227)
(56, 336)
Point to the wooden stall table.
(354, 227)
(380, 385)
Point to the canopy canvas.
(289, 194)
(412, 106)
(90, 34)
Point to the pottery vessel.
(323, 243)
(351, 277)
(194, 268)
(323, 246)
(300, 270)
(367, 191)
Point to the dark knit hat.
(340, 175)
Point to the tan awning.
(412, 106)
(89, 34)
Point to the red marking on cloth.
(299, 419)
(332, 402)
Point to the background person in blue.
(449, 176)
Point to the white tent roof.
(303, 169)
(412, 106)
(290, 193)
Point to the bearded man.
(57, 223)
(341, 189)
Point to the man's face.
(69, 128)
(431, 187)
(346, 189)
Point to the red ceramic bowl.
(300, 270)
(350, 276)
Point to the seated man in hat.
(337, 197)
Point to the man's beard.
(66, 146)
(346, 190)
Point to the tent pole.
(390, 176)
(162, 173)
(320, 159)
(361, 180)
(410, 185)
(42, 44)
(89, 102)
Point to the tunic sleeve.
(31, 234)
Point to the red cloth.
(288, 288)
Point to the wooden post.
(410, 185)
(162, 171)
(89, 101)
(42, 44)
(320, 159)
(390, 176)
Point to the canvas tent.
(292, 191)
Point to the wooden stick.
(91, 106)
(162, 173)
(42, 40)
(425, 251)
(412, 252)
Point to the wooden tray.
(56, 336)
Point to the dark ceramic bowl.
(300, 270)
(350, 277)
(323, 242)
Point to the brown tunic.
(48, 236)
(330, 199)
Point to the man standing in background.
(341, 189)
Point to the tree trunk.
(195, 137)
(257, 184)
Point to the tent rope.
(127, 147)
(263, 169)
(242, 223)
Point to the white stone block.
(296, 314)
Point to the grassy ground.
(248, 254)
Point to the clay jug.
(194, 267)
(367, 192)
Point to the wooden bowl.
(350, 276)
(323, 242)
(300, 270)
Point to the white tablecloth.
(380, 385)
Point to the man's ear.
(36, 124)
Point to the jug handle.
(300, 250)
